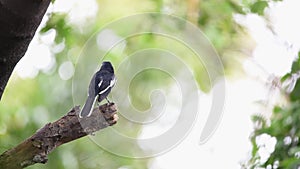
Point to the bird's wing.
(100, 83)
(111, 84)
(91, 90)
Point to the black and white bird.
(100, 85)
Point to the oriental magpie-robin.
(100, 86)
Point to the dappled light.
(199, 84)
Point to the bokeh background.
(257, 41)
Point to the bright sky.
(229, 145)
(273, 55)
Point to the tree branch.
(70, 127)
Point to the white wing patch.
(111, 84)
(100, 83)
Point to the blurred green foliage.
(30, 103)
(258, 7)
(283, 125)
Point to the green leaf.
(259, 7)
(277, 109)
(286, 76)
(295, 95)
(296, 66)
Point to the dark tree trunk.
(19, 20)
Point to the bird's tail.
(87, 109)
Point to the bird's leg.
(107, 100)
(98, 103)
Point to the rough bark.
(19, 20)
(68, 128)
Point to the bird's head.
(107, 66)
